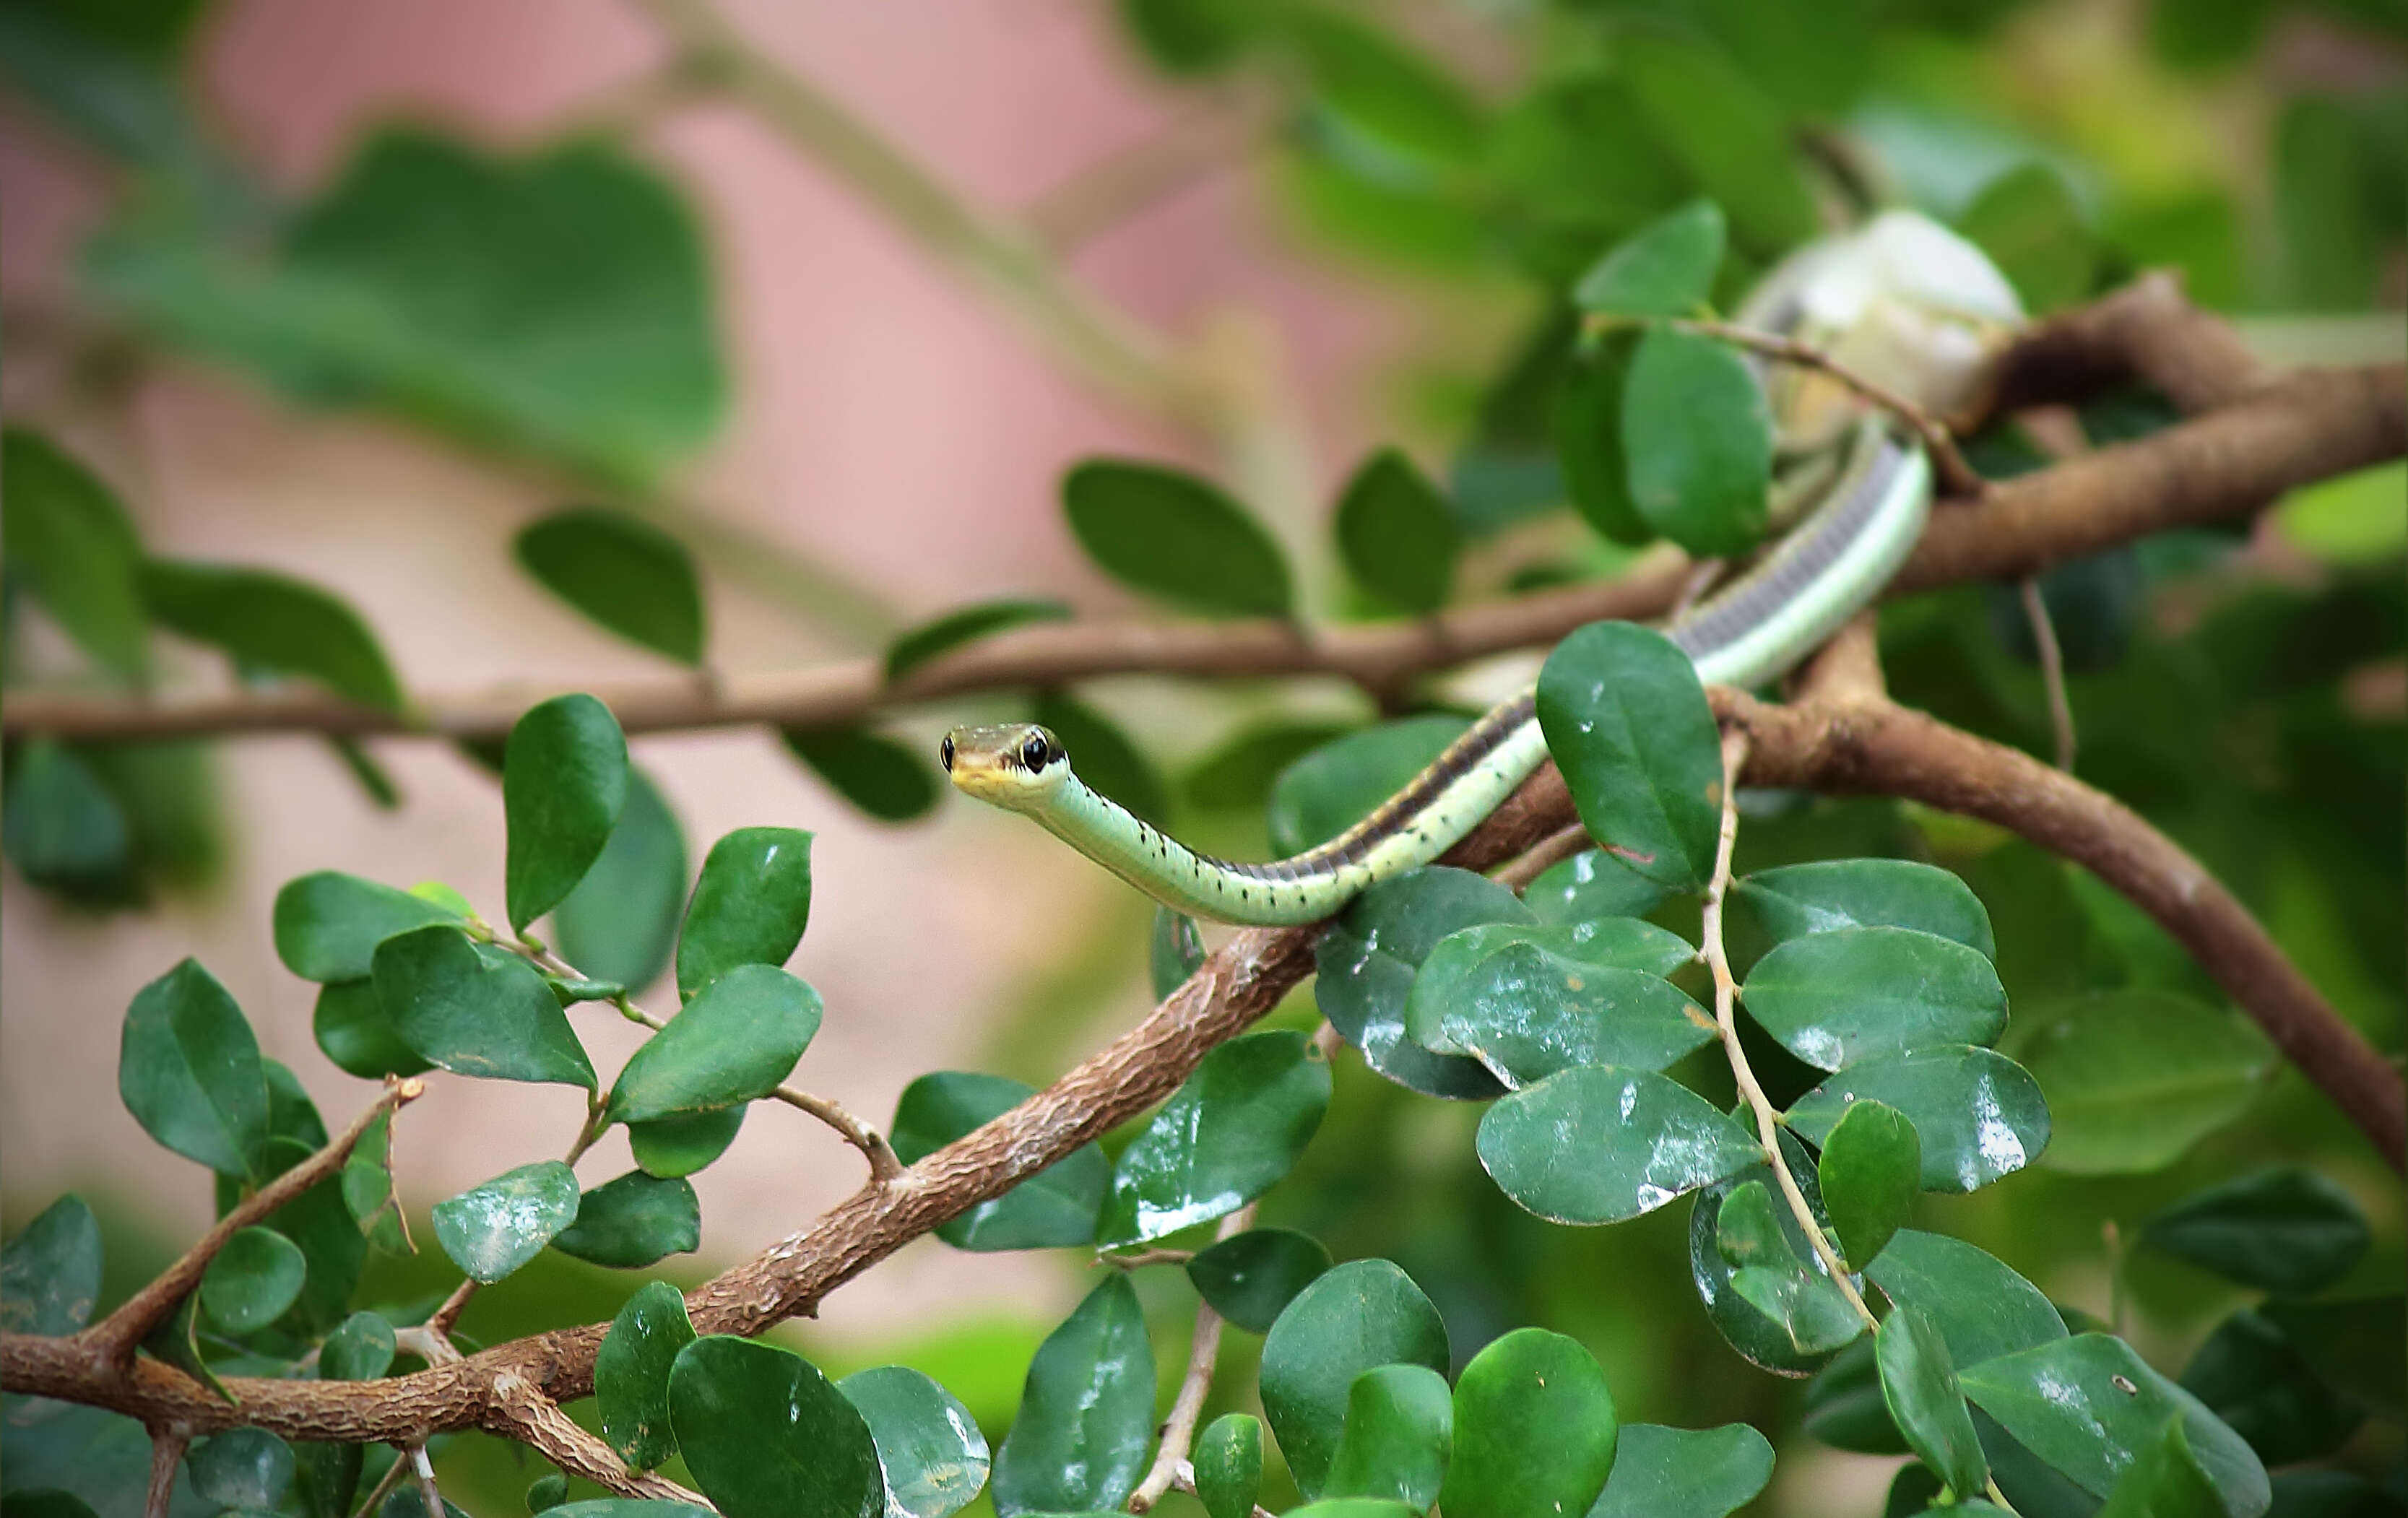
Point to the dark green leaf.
(1844, 1409)
(1710, 116)
(188, 1068)
(680, 1146)
(252, 1279)
(1818, 897)
(1919, 1384)
(1528, 1013)
(2287, 1231)
(268, 621)
(70, 541)
(547, 1492)
(2251, 1376)
(2135, 1077)
(2336, 178)
(2165, 1481)
(631, 1374)
(328, 924)
(1250, 1278)
(1535, 1429)
(767, 1437)
(933, 1456)
(1748, 1230)
(475, 1011)
(1053, 1208)
(1978, 1115)
(1229, 1465)
(1982, 1309)
(1377, 84)
(1171, 535)
(621, 921)
(1798, 1300)
(1369, 955)
(493, 1229)
(1224, 1139)
(1628, 725)
(886, 780)
(1361, 1315)
(1871, 1170)
(632, 1222)
(354, 1031)
(563, 780)
(242, 1468)
(1086, 1414)
(1664, 1472)
(1601, 1144)
(1770, 1342)
(361, 1349)
(733, 1043)
(1870, 992)
(1337, 785)
(622, 571)
(1584, 424)
(61, 827)
(326, 1477)
(749, 906)
(1698, 438)
(1396, 534)
(933, 641)
(1458, 967)
(1665, 268)
(2029, 223)
(50, 1273)
(1108, 761)
(1589, 885)
(1396, 1438)
(1239, 774)
(2353, 1343)
(628, 1507)
(1175, 953)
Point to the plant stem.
(1203, 1354)
(2052, 669)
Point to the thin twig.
(423, 1469)
(1176, 157)
(1203, 1354)
(168, 1447)
(1549, 851)
(439, 1322)
(432, 1347)
(385, 1483)
(1138, 1259)
(2052, 669)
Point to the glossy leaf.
(1396, 1439)
(1053, 1208)
(1107, 760)
(623, 572)
(563, 780)
(1856, 994)
(361, 1349)
(1825, 895)
(2135, 1077)
(1601, 1144)
(1224, 1139)
(632, 1222)
(1459, 963)
(1250, 1278)
(631, 1374)
(1528, 1014)
(886, 780)
(1977, 1114)
(1590, 885)
(1340, 784)
(1628, 725)
(70, 543)
(1369, 957)
(733, 1043)
(266, 620)
(2251, 1376)
(242, 1468)
(50, 1273)
(1662, 1473)
(1171, 535)
(1871, 1170)
(932, 640)
(1535, 1429)
(628, 1507)
(493, 1229)
(251, 1281)
(749, 906)
(1362, 1314)
(1086, 1414)
(1768, 1341)
(2289, 1231)
(2029, 223)
(1395, 534)
(1229, 1465)
(2165, 1481)
(1982, 1309)
(477, 1011)
(188, 1070)
(767, 1435)
(1584, 424)
(1919, 1384)
(678, 1146)
(1174, 953)
(619, 922)
(934, 1457)
(1802, 1302)
(1697, 438)
(1749, 1229)
(328, 923)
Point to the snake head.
(1018, 765)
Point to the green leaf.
(933, 1456)
(2089, 1407)
(2251, 1376)
(1628, 725)
(1367, 960)
(2351, 1342)
(1662, 1473)
(1528, 1013)
(1224, 1139)
(493, 1229)
(1584, 424)
(1237, 776)
(62, 826)
(733, 1043)
(1871, 1170)
(1229, 1465)
(627, 1507)
(176, 1342)
(1712, 117)
(1749, 1229)
(1055, 1206)
(1919, 1383)
(2134, 1077)
(1843, 1406)
(1590, 885)
(633, 1222)
(621, 921)
(188, 1068)
(50, 1273)
(631, 1374)
(354, 1031)
(328, 923)
(749, 906)
(475, 1011)
(2029, 224)
(1856, 994)
(1397, 1432)
(767, 1437)
(1978, 1115)
(678, 1146)
(1396, 534)
(550, 1491)
(1830, 893)
(2289, 1231)
(1175, 953)
(1767, 1341)
(252, 1279)
(1801, 1302)
(361, 1349)
(622, 571)
(1339, 785)
(932, 640)
(242, 1468)
(69, 540)
(1982, 1309)
(1665, 268)
(1376, 84)
(1362, 1314)
(268, 621)
(1601, 1144)
(2165, 1481)
(563, 780)
(1535, 1429)
(1250, 1278)
(1086, 1414)
(886, 780)
(1108, 761)
(1696, 434)
(1171, 535)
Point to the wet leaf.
(1175, 952)
(1528, 1014)
(1826, 894)
(1229, 1465)
(1628, 725)
(934, 1457)
(1856, 994)
(1602, 1145)
(1362, 1314)
(1086, 1414)
(1367, 959)
(749, 906)
(1224, 1137)
(1459, 962)
(1978, 1115)
(631, 1374)
(1590, 885)
(1535, 1429)
(1871, 1170)
(767, 1435)
(1982, 1309)
(493, 1229)
(1250, 1278)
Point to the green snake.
(1752, 630)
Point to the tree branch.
(537, 1421)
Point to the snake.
(1750, 631)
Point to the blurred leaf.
(1380, 85)
(1829, 893)
(1086, 1415)
(1224, 1139)
(887, 779)
(1367, 959)
(1696, 442)
(251, 1281)
(934, 1457)
(1108, 761)
(1229, 1465)
(492, 1229)
(1397, 534)
(767, 1437)
(2254, 1377)
(1585, 423)
(1870, 1168)
(1250, 1278)
(1856, 994)
(1239, 774)
(1174, 953)
(2331, 185)
(1665, 268)
(2135, 1077)
(242, 1468)
(1685, 1472)
(272, 621)
(631, 1374)
(2352, 1343)
(59, 824)
(633, 1222)
(357, 1035)
(1535, 1429)
(1394, 1446)
(2289, 1231)
(623, 572)
(1634, 1140)
(733, 1043)
(671, 1147)
(2349, 519)
(1628, 725)
(1919, 1383)
(328, 924)
(1190, 36)
(1055, 1208)
(2094, 604)
(188, 1070)
(106, 71)
(1981, 1307)
(619, 922)
(361, 1349)
(749, 906)
(563, 782)
(1977, 1114)
(1340, 784)
(1360, 1315)
(2027, 220)
(50, 1273)
(1171, 535)
(2206, 34)
(475, 1011)
(1843, 1406)
(71, 542)
(1709, 115)
(932, 640)
(1592, 884)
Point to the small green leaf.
(1055, 1208)
(1590, 885)
(1584, 424)
(1362, 1314)
(1367, 960)
(328, 923)
(631, 1374)
(563, 780)
(886, 780)
(1697, 435)
(1250, 1278)
(71, 542)
(1535, 1429)
(1399, 1429)
(1224, 1139)
(361, 1349)
(1628, 725)
(252, 1279)
(621, 921)
(1855, 993)
(1749, 1229)
(933, 1454)
(932, 640)
(1396, 534)
(1871, 1170)
(1337, 785)
(2134, 1077)
(1086, 1414)
(2289, 1231)
(188, 1068)
(1175, 953)
(1450, 975)
(749, 906)
(61, 825)
(1108, 761)
(1767, 1339)
(1978, 1115)
(1528, 1014)
(1715, 120)
(250, 1469)
(268, 621)
(2029, 224)
(1982, 1309)
(1229, 1465)
(1665, 268)
(547, 1492)
(623, 572)
(50, 1273)
(1919, 1383)
(1802, 1301)
(493, 1229)
(1171, 535)
(767, 1437)
(678, 1146)
(1664, 1472)
(1830, 893)
(733, 1043)
(633, 1222)
(475, 1011)
(1601, 1144)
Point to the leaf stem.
(1203, 1354)
(168, 1447)
(2052, 669)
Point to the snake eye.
(945, 754)
(1034, 752)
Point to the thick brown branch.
(536, 1420)
(2146, 331)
